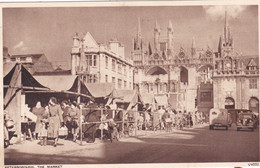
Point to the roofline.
(32, 55)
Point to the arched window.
(146, 87)
(254, 104)
(184, 75)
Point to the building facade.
(197, 80)
(97, 63)
(34, 63)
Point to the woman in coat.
(55, 119)
(39, 111)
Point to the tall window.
(119, 68)
(113, 65)
(95, 60)
(106, 78)
(114, 80)
(119, 83)
(125, 84)
(253, 83)
(91, 60)
(124, 67)
(91, 78)
(106, 62)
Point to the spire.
(139, 28)
(156, 26)
(220, 44)
(226, 29)
(170, 25)
(193, 47)
(193, 44)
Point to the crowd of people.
(62, 119)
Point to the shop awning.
(162, 100)
(56, 82)
(147, 98)
(126, 96)
(99, 90)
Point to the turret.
(156, 35)
(139, 36)
(75, 54)
(170, 36)
(193, 48)
(220, 45)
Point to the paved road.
(188, 145)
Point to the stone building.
(97, 63)
(34, 63)
(197, 80)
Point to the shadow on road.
(181, 146)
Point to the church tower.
(226, 41)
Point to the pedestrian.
(55, 120)
(43, 131)
(74, 123)
(39, 111)
(166, 120)
(66, 117)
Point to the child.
(43, 132)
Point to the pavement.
(197, 144)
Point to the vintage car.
(245, 121)
(219, 118)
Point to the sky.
(51, 30)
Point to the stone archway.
(229, 103)
(156, 70)
(254, 104)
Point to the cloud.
(218, 12)
(20, 46)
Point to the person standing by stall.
(39, 111)
(55, 119)
(74, 114)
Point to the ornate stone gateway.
(229, 103)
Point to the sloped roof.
(89, 41)
(26, 78)
(247, 59)
(57, 82)
(147, 98)
(99, 90)
(7, 67)
(126, 96)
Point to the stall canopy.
(129, 97)
(100, 90)
(16, 79)
(147, 98)
(57, 82)
(162, 100)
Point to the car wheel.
(238, 129)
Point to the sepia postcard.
(130, 83)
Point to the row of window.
(253, 83)
(121, 67)
(91, 78)
(120, 83)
